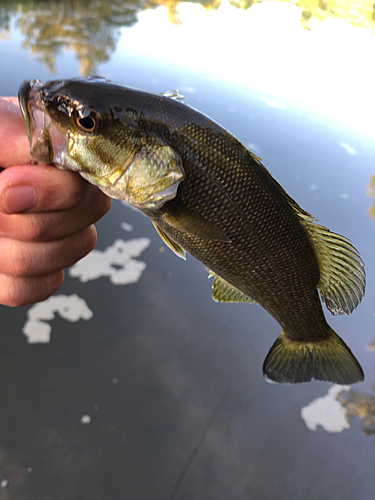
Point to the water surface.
(131, 382)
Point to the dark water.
(141, 387)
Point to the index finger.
(53, 189)
(11, 99)
(14, 145)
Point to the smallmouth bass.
(206, 194)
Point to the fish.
(208, 195)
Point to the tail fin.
(330, 360)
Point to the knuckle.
(75, 191)
(37, 227)
(105, 204)
(21, 261)
(91, 238)
(98, 204)
(86, 242)
(12, 292)
(15, 292)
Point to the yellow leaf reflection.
(371, 194)
(360, 14)
(361, 405)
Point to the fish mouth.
(37, 121)
(26, 95)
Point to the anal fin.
(225, 292)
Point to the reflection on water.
(334, 411)
(362, 406)
(371, 194)
(92, 29)
(327, 412)
(362, 15)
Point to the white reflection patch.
(349, 149)
(253, 148)
(327, 412)
(274, 104)
(126, 227)
(117, 262)
(72, 308)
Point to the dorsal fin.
(225, 292)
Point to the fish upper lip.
(33, 110)
(30, 101)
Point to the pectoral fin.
(175, 247)
(186, 221)
(225, 292)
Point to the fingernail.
(18, 199)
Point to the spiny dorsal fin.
(175, 247)
(342, 273)
(186, 221)
(329, 360)
(225, 292)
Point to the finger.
(49, 226)
(11, 99)
(35, 188)
(25, 259)
(13, 139)
(16, 291)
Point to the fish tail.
(331, 360)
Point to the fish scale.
(208, 195)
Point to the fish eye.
(88, 120)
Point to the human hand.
(46, 217)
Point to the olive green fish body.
(243, 202)
(208, 195)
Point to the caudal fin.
(330, 360)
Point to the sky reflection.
(265, 47)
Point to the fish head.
(87, 126)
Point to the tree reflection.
(362, 14)
(91, 29)
(361, 405)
